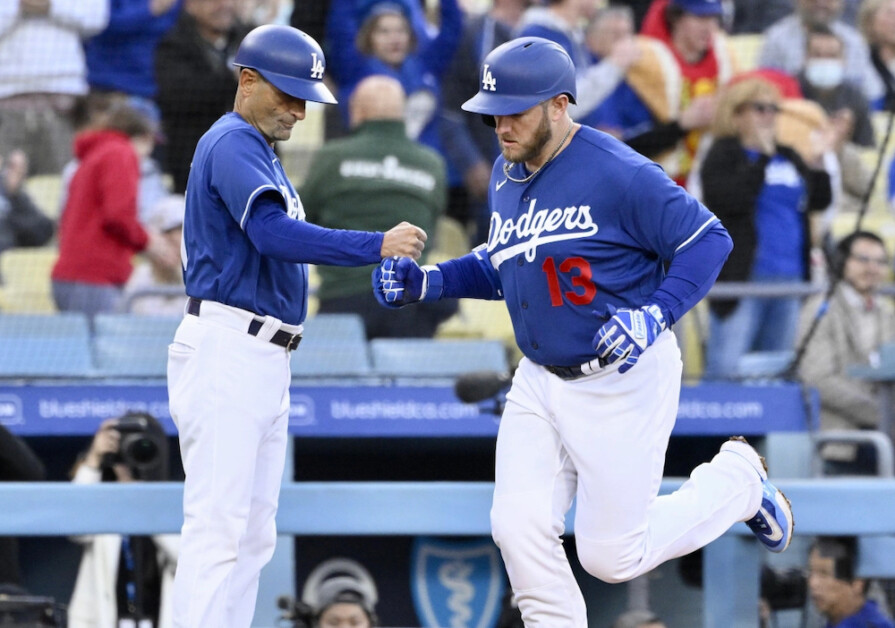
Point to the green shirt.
(371, 181)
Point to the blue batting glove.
(398, 281)
(627, 334)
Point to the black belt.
(280, 338)
(566, 372)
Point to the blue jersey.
(233, 165)
(594, 227)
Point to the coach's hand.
(398, 281)
(627, 334)
(403, 240)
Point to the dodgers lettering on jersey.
(592, 228)
(232, 166)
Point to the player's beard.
(528, 151)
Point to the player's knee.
(521, 523)
(613, 561)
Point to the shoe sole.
(764, 465)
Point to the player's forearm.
(465, 277)
(277, 235)
(692, 273)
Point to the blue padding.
(822, 506)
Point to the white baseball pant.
(229, 397)
(602, 439)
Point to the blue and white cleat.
(773, 523)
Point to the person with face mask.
(823, 80)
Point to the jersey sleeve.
(663, 217)
(471, 276)
(241, 170)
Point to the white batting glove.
(627, 334)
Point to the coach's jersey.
(592, 228)
(232, 166)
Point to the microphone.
(480, 385)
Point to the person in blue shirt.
(835, 588)
(761, 191)
(245, 250)
(121, 58)
(383, 37)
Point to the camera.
(784, 588)
(141, 445)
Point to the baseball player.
(581, 227)
(244, 254)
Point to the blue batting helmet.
(520, 74)
(289, 59)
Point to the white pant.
(229, 397)
(602, 439)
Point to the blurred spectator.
(470, 145)
(341, 594)
(668, 98)
(613, 48)
(121, 59)
(166, 219)
(757, 15)
(892, 184)
(822, 80)
(17, 464)
(368, 181)
(784, 44)
(378, 37)
(835, 588)
(124, 577)
(561, 21)
(99, 231)
(638, 619)
(42, 72)
(310, 16)
(196, 80)
(760, 191)
(855, 323)
(22, 223)
(257, 12)
(877, 24)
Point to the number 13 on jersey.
(579, 269)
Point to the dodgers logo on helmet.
(456, 583)
(521, 73)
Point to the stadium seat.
(334, 327)
(46, 191)
(332, 345)
(330, 357)
(764, 364)
(408, 357)
(42, 345)
(131, 345)
(26, 279)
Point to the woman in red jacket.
(99, 232)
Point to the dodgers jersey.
(232, 166)
(593, 227)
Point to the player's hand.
(403, 240)
(627, 334)
(398, 281)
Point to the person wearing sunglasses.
(760, 191)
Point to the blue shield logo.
(457, 584)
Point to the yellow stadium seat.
(482, 319)
(46, 191)
(745, 50)
(450, 240)
(26, 279)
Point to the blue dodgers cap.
(699, 7)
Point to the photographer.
(124, 581)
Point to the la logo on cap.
(489, 83)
